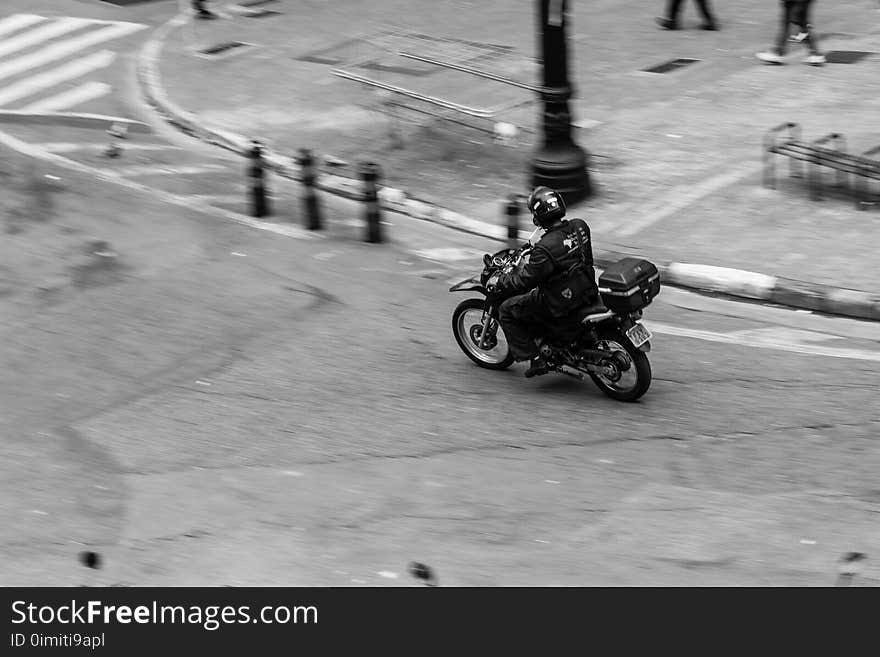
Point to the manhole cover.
(845, 56)
(671, 65)
(228, 48)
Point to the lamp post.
(558, 163)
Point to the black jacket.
(561, 266)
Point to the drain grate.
(846, 56)
(124, 3)
(261, 13)
(223, 49)
(671, 65)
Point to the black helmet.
(546, 206)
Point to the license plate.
(638, 334)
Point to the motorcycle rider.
(557, 280)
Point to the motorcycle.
(606, 341)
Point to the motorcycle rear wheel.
(467, 328)
(633, 382)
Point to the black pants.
(674, 7)
(523, 318)
(796, 12)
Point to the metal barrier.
(463, 109)
(472, 71)
(816, 154)
(770, 146)
(863, 182)
(839, 145)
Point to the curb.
(735, 283)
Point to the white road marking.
(800, 319)
(54, 29)
(65, 48)
(767, 341)
(677, 200)
(217, 198)
(784, 334)
(70, 71)
(18, 21)
(108, 175)
(69, 147)
(76, 96)
(167, 170)
(447, 254)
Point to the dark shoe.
(711, 26)
(537, 367)
(666, 23)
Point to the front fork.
(487, 322)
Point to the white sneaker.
(797, 38)
(815, 60)
(770, 57)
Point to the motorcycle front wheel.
(627, 376)
(467, 326)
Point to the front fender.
(469, 285)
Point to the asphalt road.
(268, 410)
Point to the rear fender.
(624, 324)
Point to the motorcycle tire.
(639, 365)
(484, 358)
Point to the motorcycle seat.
(593, 312)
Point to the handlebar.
(506, 260)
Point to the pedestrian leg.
(803, 21)
(708, 19)
(670, 20)
(789, 11)
(673, 8)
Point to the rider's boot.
(537, 367)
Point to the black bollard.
(310, 197)
(370, 175)
(511, 210)
(258, 186)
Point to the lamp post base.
(563, 168)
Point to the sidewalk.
(675, 158)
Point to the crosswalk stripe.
(80, 94)
(69, 147)
(65, 48)
(44, 33)
(18, 21)
(69, 71)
